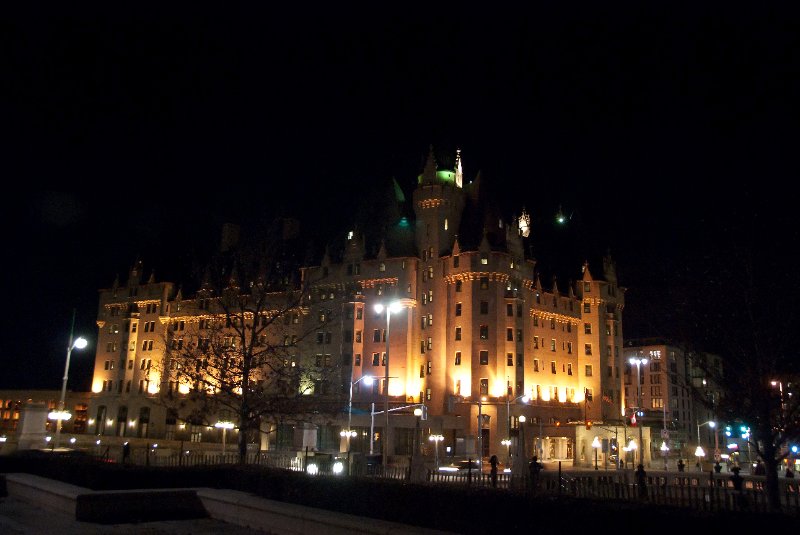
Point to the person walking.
(681, 466)
(493, 474)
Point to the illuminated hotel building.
(477, 331)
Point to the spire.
(586, 275)
(382, 250)
(326, 257)
(484, 246)
(456, 246)
(525, 223)
(152, 278)
(398, 192)
(429, 172)
(459, 170)
(609, 268)
(555, 286)
(179, 295)
(115, 284)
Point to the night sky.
(665, 136)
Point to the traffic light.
(588, 424)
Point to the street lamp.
(518, 474)
(392, 307)
(436, 439)
(224, 426)
(481, 399)
(509, 401)
(507, 443)
(596, 445)
(639, 362)
(61, 414)
(700, 454)
(711, 423)
(349, 431)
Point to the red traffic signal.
(588, 424)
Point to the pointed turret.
(326, 257)
(429, 171)
(524, 223)
(609, 268)
(459, 170)
(382, 251)
(587, 277)
(135, 273)
(152, 278)
(456, 247)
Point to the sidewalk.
(17, 516)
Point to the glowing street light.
(394, 306)
(224, 426)
(61, 414)
(700, 454)
(639, 362)
(596, 445)
(436, 439)
(509, 401)
(664, 452)
(349, 433)
(507, 443)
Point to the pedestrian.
(534, 467)
(493, 473)
(737, 481)
(681, 466)
(717, 467)
(789, 472)
(641, 481)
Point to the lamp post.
(349, 433)
(639, 362)
(507, 443)
(518, 472)
(481, 399)
(224, 426)
(509, 401)
(596, 445)
(61, 414)
(392, 307)
(436, 439)
(664, 452)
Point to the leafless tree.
(745, 306)
(237, 349)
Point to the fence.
(702, 491)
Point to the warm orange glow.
(97, 387)
(183, 389)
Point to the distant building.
(478, 330)
(13, 401)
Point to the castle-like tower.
(478, 340)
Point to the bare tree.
(745, 305)
(238, 349)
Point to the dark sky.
(131, 135)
